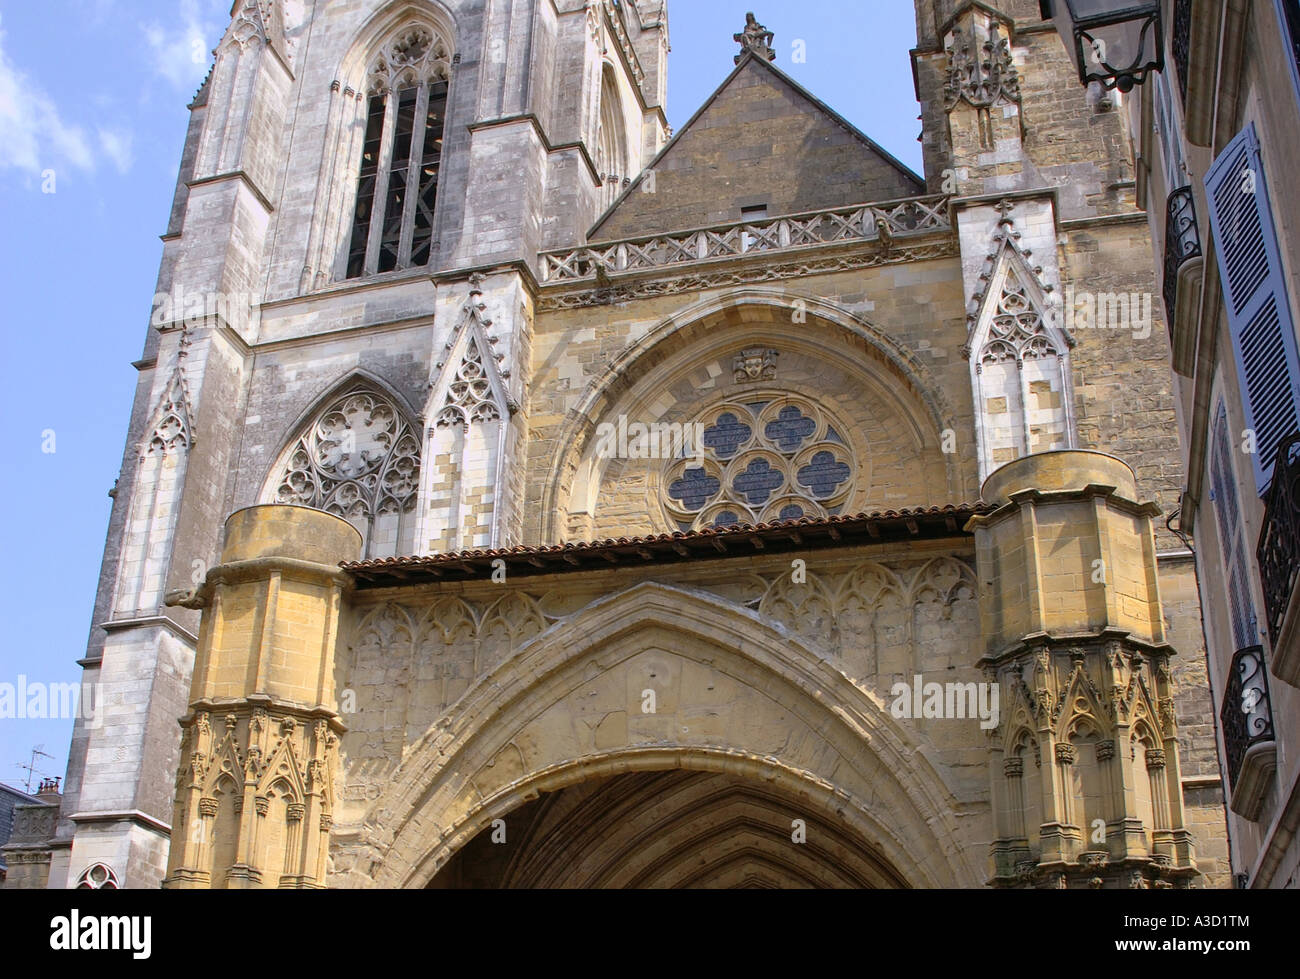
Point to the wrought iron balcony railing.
(1279, 540)
(864, 222)
(1247, 715)
(1184, 270)
(1182, 243)
(1182, 42)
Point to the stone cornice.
(120, 625)
(123, 816)
(243, 178)
(1060, 643)
(716, 273)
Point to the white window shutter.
(1259, 313)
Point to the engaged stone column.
(260, 740)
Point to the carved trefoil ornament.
(475, 391)
(1019, 357)
(249, 23)
(171, 431)
(757, 364)
(159, 484)
(469, 396)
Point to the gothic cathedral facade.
(520, 494)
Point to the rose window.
(359, 458)
(764, 461)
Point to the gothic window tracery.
(469, 396)
(1021, 372)
(155, 499)
(392, 226)
(98, 877)
(770, 458)
(358, 459)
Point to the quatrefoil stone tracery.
(772, 457)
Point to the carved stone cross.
(756, 39)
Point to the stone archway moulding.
(739, 695)
(623, 372)
(384, 22)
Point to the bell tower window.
(397, 185)
(611, 154)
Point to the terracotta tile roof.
(924, 523)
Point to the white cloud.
(33, 136)
(116, 144)
(181, 50)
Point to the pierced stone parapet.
(883, 223)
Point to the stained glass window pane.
(757, 482)
(791, 429)
(824, 475)
(729, 434)
(694, 489)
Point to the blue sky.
(95, 91)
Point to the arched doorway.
(744, 716)
(669, 829)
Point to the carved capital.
(1066, 753)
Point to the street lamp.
(1116, 43)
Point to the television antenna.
(31, 769)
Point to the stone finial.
(755, 39)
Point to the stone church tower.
(441, 299)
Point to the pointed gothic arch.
(1020, 365)
(397, 79)
(834, 746)
(355, 453)
(469, 412)
(712, 332)
(162, 460)
(613, 158)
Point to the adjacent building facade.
(1216, 137)
(881, 592)
(26, 825)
